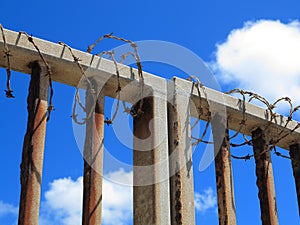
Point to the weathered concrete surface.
(295, 155)
(33, 147)
(265, 179)
(255, 116)
(67, 72)
(224, 178)
(151, 192)
(93, 163)
(180, 151)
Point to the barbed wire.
(90, 88)
(7, 55)
(49, 73)
(137, 59)
(202, 111)
(111, 54)
(270, 107)
(199, 86)
(252, 96)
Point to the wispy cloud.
(63, 201)
(206, 200)
(263, 56)
(6, 209)
(8, 213)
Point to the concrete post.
(180, 150)
(265, 179)
(295, 155)
(151, 169)
(33, 147)
(225, 188)
(93, 165)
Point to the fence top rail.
(65, 71)
(253, 115)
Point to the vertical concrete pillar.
(223, 167)
(295, 155)
(33, 147)
(151, 168)
(265, 179)
(93, 164)
(180, 159)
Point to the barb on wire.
(91, 47)
(243, 121)
(198, 84)
(246, 142)
(90, 88)
(132, 44)
(285, 135)
(126, 108)
(246, 157)
(200, 140)
(136, 57)
(111, 54)
(279, 154)
(291, 111)
(270, 107)
(7, 55)
(241, 144)
(49, 73)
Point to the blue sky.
(242, 42)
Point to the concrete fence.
(168, 195)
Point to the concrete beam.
(151, 191)
(255, 116)
(180, 151)
(67, 72)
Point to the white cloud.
(63, 202)
(117, 199)
(6, 209)
(264, 57)
(205, 201)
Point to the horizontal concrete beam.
(255, 116)
(66, 71)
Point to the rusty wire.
(49, 73)
(77, 100)
(252, 96)
(196, 82)
(243, 121)
(137, 59)
(111, 54)
(199, 86)
(7, 55)
(273, 115)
